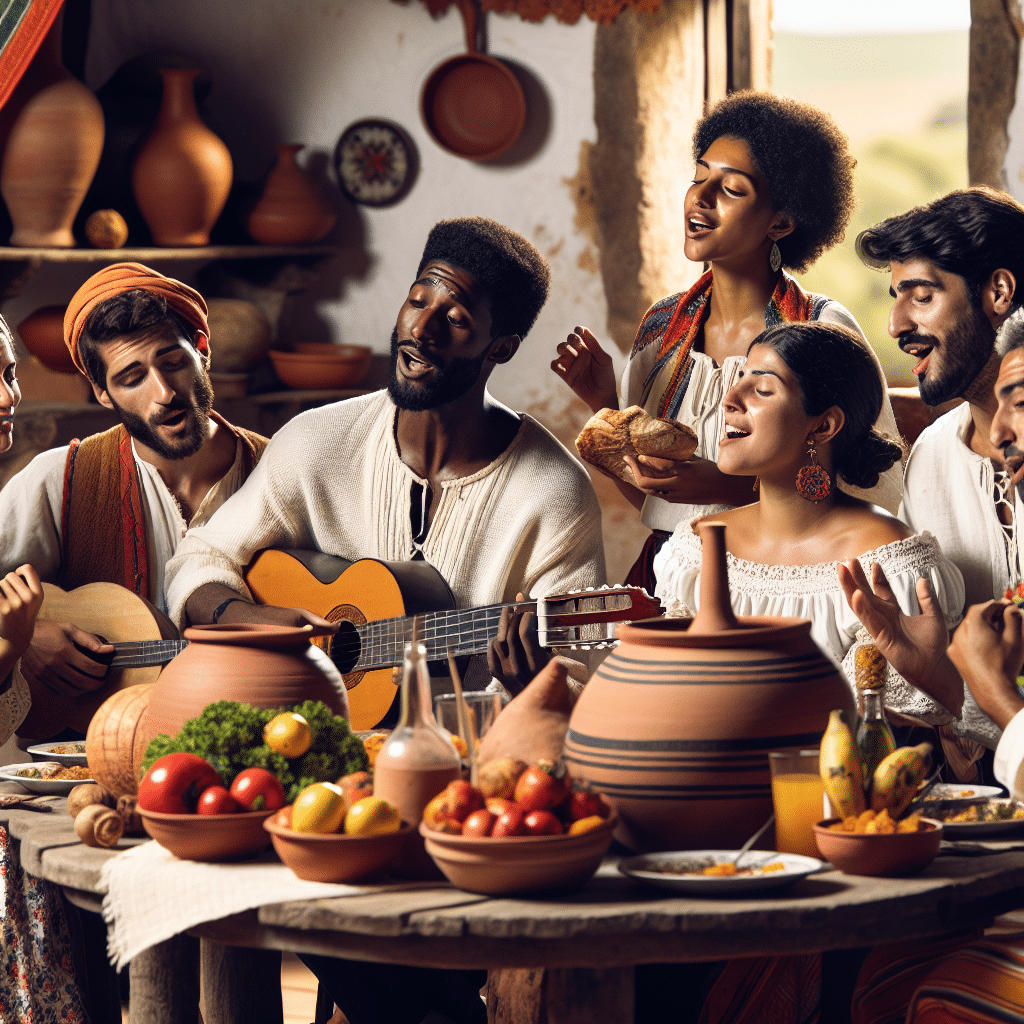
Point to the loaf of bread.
(613, 433)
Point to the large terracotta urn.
(676, 724)
(291, 210)
(52, 152)
(267, 666)
(182, 175)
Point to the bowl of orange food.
(883, 853)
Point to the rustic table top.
(613, 921)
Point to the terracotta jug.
(675, 726)
(42, 333)
(52, 152)
(182, 175)
(267, 666)
(291, 210)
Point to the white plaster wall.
(1013, 165)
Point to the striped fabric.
(766, 990)
(23, 24)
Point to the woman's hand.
(21, 595)
(915, 645)
(587, 369)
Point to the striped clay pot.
(675, 726)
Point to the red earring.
(813, 482)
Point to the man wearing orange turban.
(114, 506)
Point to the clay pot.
(240, 335)
(52, 153)
(182, 175)
(42, 333)
(291, 210)
(675, 726)
(266, 666)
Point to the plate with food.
(711, 872)
(64, 752)
(983, 819)
(947, 791)
(46, 776)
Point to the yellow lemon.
(319, 808)
(288, 734)
(372, 816)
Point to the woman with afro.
(772, 190)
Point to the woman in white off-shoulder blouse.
(801, 414)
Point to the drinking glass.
(799, 798)
(483, 706)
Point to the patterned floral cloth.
(38, 981)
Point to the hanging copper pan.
(472, 104)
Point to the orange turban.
(126, 277)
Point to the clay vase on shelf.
(675, 726)
(240, 335)
(52, 152)
(291, 210)
(182, 175)
(42, 333)
(266, 666)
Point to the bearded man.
(433, 468)
(113, 507)
(957, 265)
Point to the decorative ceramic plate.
(948, 791)
(65, 752)
(55, 787)
(666, 871)
(375, 162)
(1002, 829)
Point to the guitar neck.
(139, 653)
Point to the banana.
(840, 767)
(897, 777)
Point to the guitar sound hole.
(345, 647)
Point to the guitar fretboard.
(140, 653)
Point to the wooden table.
(589, 941)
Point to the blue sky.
(866, 17)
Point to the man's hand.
(245, 611)
(988, 649)
(65, 660)
(587, 369)
(515, 656)
(21, 595)
(694, 481)
(915, 645)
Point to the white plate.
(50, 752)
(796, 867)
(950, 791)
(55, 787)
(984, 829)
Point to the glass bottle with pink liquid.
(416, 762)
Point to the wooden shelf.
(151, 253)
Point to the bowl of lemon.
(333, 834)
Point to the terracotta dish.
(337, 858)
(473, 105)
(612, 434)
(519, 865)
(888, 856)
(314, 371)
(208, 837)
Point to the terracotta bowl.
(888, 856)
(337, 858)
(208, 837)
(310, 371)
(521, 865)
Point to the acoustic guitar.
(143, 637)
(375, 602)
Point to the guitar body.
(107, 610)
(350, 592)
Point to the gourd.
(115, 745)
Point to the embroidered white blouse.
(813, 592)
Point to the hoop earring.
(813, 482)
(775, 257)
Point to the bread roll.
(613, 433)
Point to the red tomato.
(510, 824)
(217, 800)
(542, 787)
(256, 789)
(585, 803)
(479, 824)
(542, 823)
(174, 783)
(462, 799)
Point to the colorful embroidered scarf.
(674, 323)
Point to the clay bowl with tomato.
(334, 856)
(186, 808)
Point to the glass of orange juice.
(799, 798)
